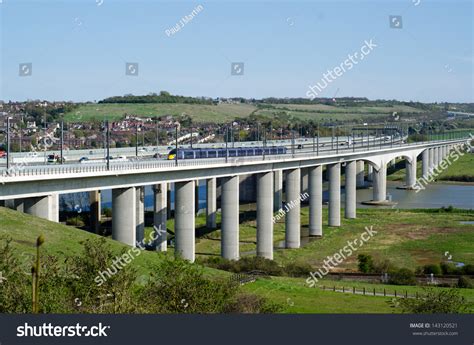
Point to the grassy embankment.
(227, 112)
(409, 238)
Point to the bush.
(464, 283)
(433, 302)
(403, 276)
(246, 264)
(180, 287)
(75, 221)
(450, 268)
(365, 263)
(432, 268)
(298, 269)
(250, 304)
(468, 269)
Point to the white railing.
(25, 170)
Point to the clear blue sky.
(79, 48)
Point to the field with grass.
(294, 295)
(199, 112)
(227, 112)
(408, 238)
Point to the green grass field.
(227, 112)
(409, 238)
(199, 112)
(296, 297)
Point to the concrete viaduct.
(34, 190)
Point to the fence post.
(353, 290)
(364, 290)
(343, 288)
(334, 288)
(406, 294)
(374, 291)
(384, 294)
(395, 293)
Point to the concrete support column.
(380, 184)
(360, 174)
(124, 215)
(292, 207)
(431, 158)
(278, 189)
(45, 207)
(370, 173)
(230, 218)
(196, 196)
(160, 214)
(425, 163)
(140, 205)
(184, 220)
(54, 207)
(168, 200)
(211, 203)
(436, 157)
(410, 177)
(350, 190)
(316, 201)
(304, 180)
(265, 190)
(95, 211)
(393, 162)
(334, 206)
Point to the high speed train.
(221, 153)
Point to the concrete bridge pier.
(431, 159)
(184, 220)
(46, 207)
(230, 218)
(370, 173)
(292, 208)
(440, 154)
(315, 175)
(211, 203)
(160, 214)
(436, 157)
(278, 190)
(360, 174)
(140, 205)
(124, 215)
(350, 190)
(265, 185)
(196, 196)
(168, 200)
(380, 184)
(304, 179)
(334, 206)
(425, 164)
(410, 169)
(95, 211)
